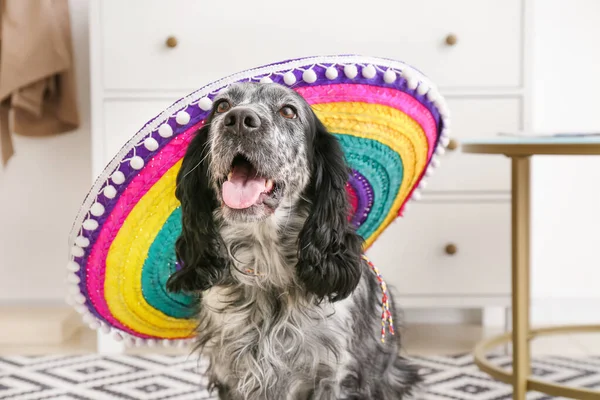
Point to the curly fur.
(305, 322)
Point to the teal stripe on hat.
(159, 266)
(382, 167)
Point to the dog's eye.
(287, 112)
(223, 106)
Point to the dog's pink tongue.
(241, 190)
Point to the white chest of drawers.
(475, 50)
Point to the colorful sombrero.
(389, 118)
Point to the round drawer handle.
(451, 249)
(452, 144)
(451, 39)
(171, 42)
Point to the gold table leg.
(520, 275)
(520, 377)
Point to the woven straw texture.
(391, 125)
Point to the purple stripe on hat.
(364, 195)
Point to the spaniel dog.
(288, 307)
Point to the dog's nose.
(242, 120)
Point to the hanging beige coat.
(37, 80)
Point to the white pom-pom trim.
(117, 336)
(447, 122)
(82, 241)
(411, 80)
(430, 171)
(442, 108)
(182, 117)
(129, 341)
(136, 162)
(110, 192)
(77, 251)
(205, 104)
(350, 71)
(416, 195)
(117, 177)
(139, 342)
(289, 78)
(369, 72)
(389, 76)
(73, 266)
(90, 224)
(97, 209)
(412, 83)
(165, 131)
(266, 79)
(78, 298)
(444, 140)
(435, 161)
(72, 278)
(422, 89)
(81, 309)
(309, 76)
(150, 143)
(331, 73)
(422, 184)
(73, 288)
(432, 96)
(88, 318)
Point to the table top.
(526, 146)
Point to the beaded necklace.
(386, 314)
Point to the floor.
(424, 340)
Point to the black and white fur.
(305, 322)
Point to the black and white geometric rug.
(154, 377)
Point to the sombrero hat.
(389, 118)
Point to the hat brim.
(389, 118)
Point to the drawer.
(476, 118)
(412, 257)
(122, 119)
(219, 38)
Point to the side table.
(520, 150)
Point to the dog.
(288, 308)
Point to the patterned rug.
(153, 377)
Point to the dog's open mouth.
(246, 187)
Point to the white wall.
(40, 192)
(566, 190)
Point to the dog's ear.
(198, 247)
(329, 259)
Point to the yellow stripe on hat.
(125, 260)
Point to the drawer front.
(412, 257)
(122, 119)
(215, 38)
(476, 118)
